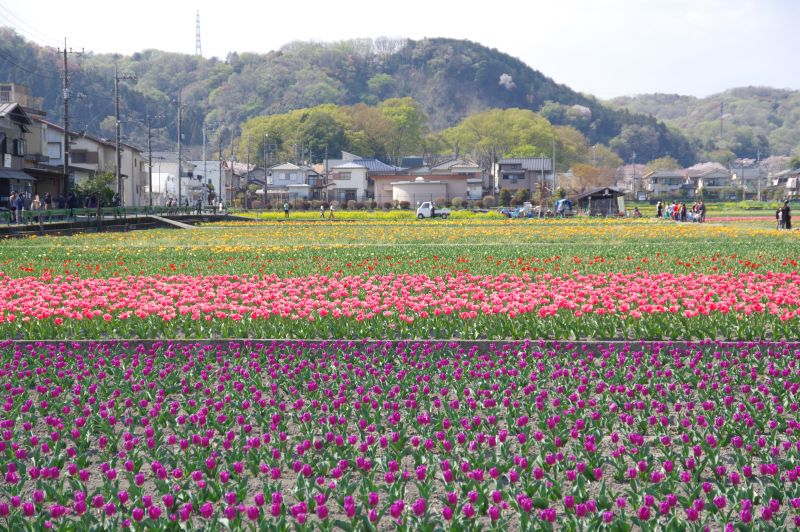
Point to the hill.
(451, 79)
(741, 122)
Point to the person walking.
(659, 209)
(19, 206)
(322, 211)
(285, 209)
(330, 215)
(36, 206)
(12, 198)
(779, 218)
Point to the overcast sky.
(603, 47)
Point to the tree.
(408, 125)
(639, 139)
(99, 186)
(794, 162)
(604, 157)
(662, 163)
(586, 177)
(505, 197)
(322, 131)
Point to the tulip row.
(638, 305)
(415, 435)
(301, 249)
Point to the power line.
(6, 56)
(33, 31)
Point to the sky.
(606, 48)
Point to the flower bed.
(357, 434)
(603, 306)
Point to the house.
(455, 178)
(165, 165)
(786, 184)
(90, 155)
(523, 173)
(15, 124)
(716, 183)
(606, 201)
(667, 184)
(288, 181)
(354, 180)
(348, 181)
(208, 173)
(752, 178)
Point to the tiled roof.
(374, 165)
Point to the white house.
(348, 181)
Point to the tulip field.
(494, 280)
(474, 374)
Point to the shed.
(606, 201)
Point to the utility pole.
(117, 77)
(247, 202)
(65, 152)
(266, 165)
(150, 156)
(554, 166)
(220, 179)
(180, 171)
(233, 156)
(634, 175)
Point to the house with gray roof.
(526, 173)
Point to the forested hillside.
(449, 79)
(743, 122)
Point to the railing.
(32, 217)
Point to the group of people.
(784, 216)
(681, 213)
(172, 202)
(322, 212)
(18, 202)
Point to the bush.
(488, 201)
(387, 205)
(505, 197)
(457, 202)
(405, 205)
(373, 205)
(351, 205)
(522, 195)
(441, 202)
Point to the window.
(343, 176)
(54, 150)
(19, 147)
(83, 157)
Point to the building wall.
(357, 182)
(454, 186)
(415, 193)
